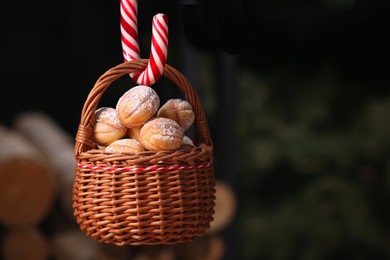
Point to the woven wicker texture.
(149, 198)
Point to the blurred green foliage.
(314, 165)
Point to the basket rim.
(202, 155)
(85, 130)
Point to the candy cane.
(130, 46)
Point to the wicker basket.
(149, 198)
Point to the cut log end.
(26, 192)
(27, 244)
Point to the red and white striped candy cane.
(130, 45)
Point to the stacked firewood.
(36, 175)
(27, 192)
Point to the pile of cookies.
(138, 123)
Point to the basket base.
(144, 207)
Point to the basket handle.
(84, 134)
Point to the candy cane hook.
(130, 45)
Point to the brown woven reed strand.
(143, 207)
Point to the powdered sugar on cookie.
(137, 105)
(108, 127)
(161, 134)
(109, 116)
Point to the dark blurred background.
(296, 94)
